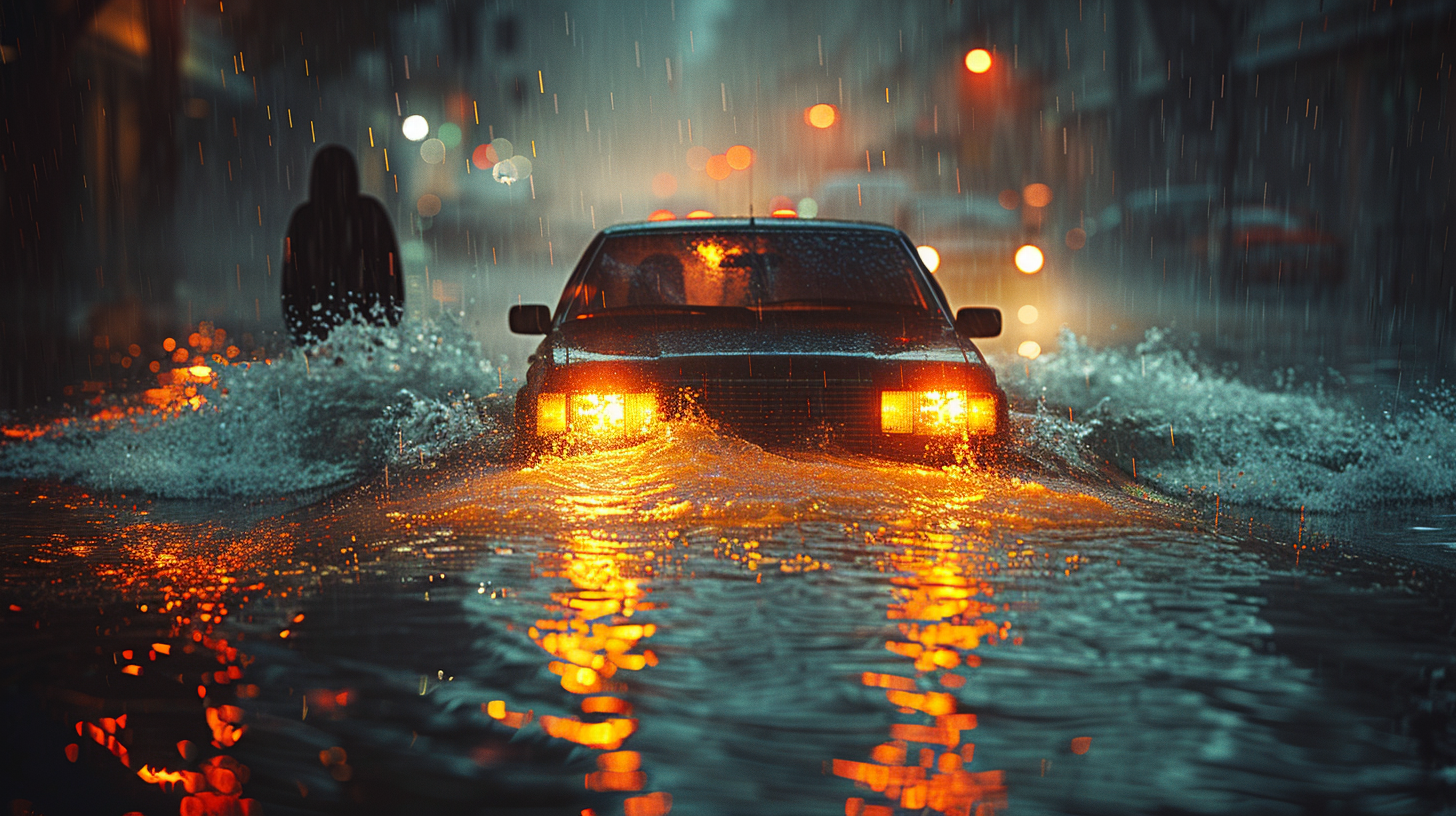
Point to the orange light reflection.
(592, 641)
(192, 577)
(942, 610)
(184, 386)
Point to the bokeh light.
(1009, 199)
(808, 208)
(1037, 195)
(664, 185)
(1076, 238)
(700, 214)
(505, 172)
(428, 205)
(502, 148)
(718, 168)
(739, 157)
(449, 133)
(780, 202)
(415, 128)
(482, 157)
(698, 157)
(930, 256)
(784, 212)
(1027, 314)
(978, 61)
(432, 151)
(821, 116)
(1030, 349)
(509, 171)
(1029, 259)
(662, 215)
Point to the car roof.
(748, 224)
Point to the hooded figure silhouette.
(340, 259)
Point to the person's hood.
(335, 176)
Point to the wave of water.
(1183, 425)
(298, 422)
(390, 396)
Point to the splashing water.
(1183, 426)
(303, 421)
(384, 396)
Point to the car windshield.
(767, 269)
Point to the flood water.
(696, 625)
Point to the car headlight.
(606, 415)
(937, 412)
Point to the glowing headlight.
(937, 412)
(595, 414)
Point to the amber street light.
(978, 61)
(821, 116)
(1029, 259)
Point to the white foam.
(1190, 426)
(299, 422)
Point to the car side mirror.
(533, 318)
(978, 321)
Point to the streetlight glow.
(978, 61)
(1029, 259)
(821, 116)
(929, 256)
(415, 128)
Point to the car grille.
(785, 408)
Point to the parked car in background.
(982, 248)
(1154, 222)
(973, 243)
(973, 235)
(858, 196)
(1272, 246)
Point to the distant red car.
(1275, 246)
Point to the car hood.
(656, 337)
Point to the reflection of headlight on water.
(596, 414)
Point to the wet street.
(696, 625)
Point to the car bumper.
(778, 402)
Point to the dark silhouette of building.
(340, 258)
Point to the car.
(786, 332)
(1273, 246)
(976, 241)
